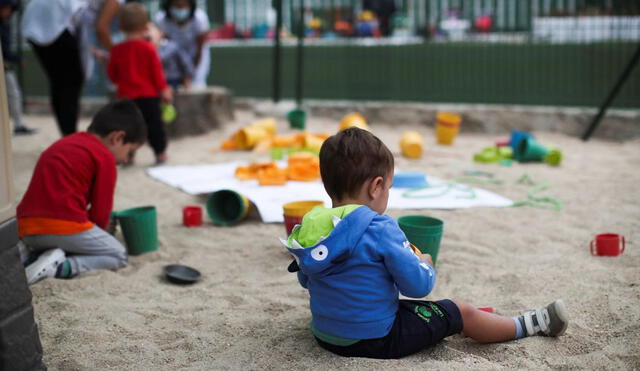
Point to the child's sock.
(519, 321)
(64, 269)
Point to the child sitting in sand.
(135, 68)
(66, 207)
(355, 261)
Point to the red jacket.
(135, 68)
(74, 179)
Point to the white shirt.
(44, 20)
(186, 37)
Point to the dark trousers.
(150, 108)
(61, 63)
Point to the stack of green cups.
(423, 232)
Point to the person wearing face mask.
(186, 25)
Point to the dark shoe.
(23, 130)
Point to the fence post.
(277, 50)
(616, 88)
(300, 56)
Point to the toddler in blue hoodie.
(355, 262)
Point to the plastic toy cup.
(411, 144)
(607, 244)
(424, 232)
(139, 228)
(249, 136)
(294, 211)
(447, 126)
(297, 119)
(192, 216)
(227, 207)
(268, 124)
(516, 137)
(530, 150)
(487, 309)
(354, 119)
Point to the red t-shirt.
(74, 180)
(135, 68)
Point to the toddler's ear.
(375, 187)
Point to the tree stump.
(199, 111)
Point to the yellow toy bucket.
(411, 144)
(447, 126)
(268, 124)
(354, 119)
(250, 136)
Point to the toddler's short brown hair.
(350, 158)
(133, 17)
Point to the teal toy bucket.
(423, 232)
(139, 228)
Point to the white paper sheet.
(202, 179)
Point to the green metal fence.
(531, 52)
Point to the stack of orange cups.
(447, 126)
(294, 211)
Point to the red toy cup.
(607, 244)
(487, 309)
(192, 216)
(290, 222)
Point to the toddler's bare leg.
(485, 327)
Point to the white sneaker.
(551, 320)
(45, 266)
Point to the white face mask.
(179, 14)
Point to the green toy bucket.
(530, 150)
(297, 119)
(423, 232)
(227, 207)
(139, 228)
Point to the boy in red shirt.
(135, 68)
(66, 207)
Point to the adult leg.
(61, 62)
(150, 108)
(14, 99)
(89, 250)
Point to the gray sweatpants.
(92, 249)
(14, 98)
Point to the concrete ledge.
(491, 119)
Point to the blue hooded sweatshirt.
(354, 274)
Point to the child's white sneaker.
(551, 320)
(45, 266)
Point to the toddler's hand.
(113, 225)
(426, 258)
(167, 95)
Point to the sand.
(248, 312)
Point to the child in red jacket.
(66, 207)
(135, 68)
